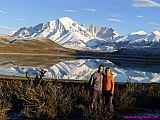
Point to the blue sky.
(124, 16)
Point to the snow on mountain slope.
(154, 36)
(95, 43)
(132, 37)
(73, 40)
(64, 31)
(102, 32)
(136, 36)
(70, 33)
(138, 33)
(140, 38)
(67, 32)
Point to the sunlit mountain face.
(69, 33)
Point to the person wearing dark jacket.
(96, 82)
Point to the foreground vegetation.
(53, 100)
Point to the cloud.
(113, 19)
(70, 11)
(89, 9)
(140, 16)
(80, 10)
(3, 12)
(145, 3)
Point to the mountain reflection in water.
(83, 68)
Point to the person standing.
(96, 82)
(108, 88)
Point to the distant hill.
(31, 52)
(30, 45)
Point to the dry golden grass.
(48, 101)
(53, 100)
(34, 46)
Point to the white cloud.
(113, 19)
(145, 3)
(3, 12)
(85, 9)
(140, 16)
(70, 11)
(90, 9)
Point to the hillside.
(25, 45)
(40, 51)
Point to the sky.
(124, 16)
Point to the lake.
(81, 69)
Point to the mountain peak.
(157, 33)
(66, 20)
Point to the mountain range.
(68, 33)
(71, 34)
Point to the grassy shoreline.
(58, 100)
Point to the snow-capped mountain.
(154, 36)
(102, 32)
(71, 34)
(139, 38)
(61, 31)
(67, 32)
